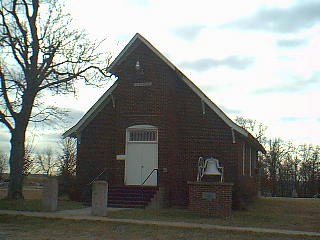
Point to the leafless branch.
(5, 121)
(5, 93)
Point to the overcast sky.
(256, 59)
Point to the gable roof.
(84, 121)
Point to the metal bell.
(209, 167)
(212, 167)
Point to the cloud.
(4, 139)
(283, 20)
(292, 119)
(141, 2)
(50, 136)
(291, 43)
(188, 32)
(294, 85)
(74, 114)
(235, 62)
(231, 111)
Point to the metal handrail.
(104, 170)
(155, 169)
(98, 176)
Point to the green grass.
(36, 205)
(27, 228)
(280, 213)
(296, 214)
(300, 214)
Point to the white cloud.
(288, 19)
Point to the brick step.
(126, 205)
(133, 190)
(137, 193)
(130, 196)
(132, 187)
(134, 198)
(127, 201)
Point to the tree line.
(60, 162)
(286, 170)
(51, 162)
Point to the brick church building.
(152, 125)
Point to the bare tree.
(46, 162)
(310, 169)
(68, 157)
(275, 155)
(67, 165)
(39, 53)
(257, 129)
(28, 159)
(292, 164)
(3, 163)
(286, 169)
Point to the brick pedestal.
(210, 198)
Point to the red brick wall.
(96, 146)
(201, 135)
(185, 133)
(220, 205)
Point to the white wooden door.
(141, 155)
